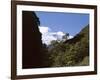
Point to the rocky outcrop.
(31, 41)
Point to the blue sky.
(54, 26)
(70, 23)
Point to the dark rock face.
(31, 41)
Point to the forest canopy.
(72, 52)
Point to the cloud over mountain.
(48, 35)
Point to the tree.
(72, 53)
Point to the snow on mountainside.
(48, 35)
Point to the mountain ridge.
(72, 52)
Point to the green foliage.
(84, 62)
(75, 52)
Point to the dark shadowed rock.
(31, 41)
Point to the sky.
(58, 23)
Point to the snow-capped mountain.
(48, 35)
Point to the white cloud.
(70, 37)
(48, 35)
(44, 29)
(60, 33)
